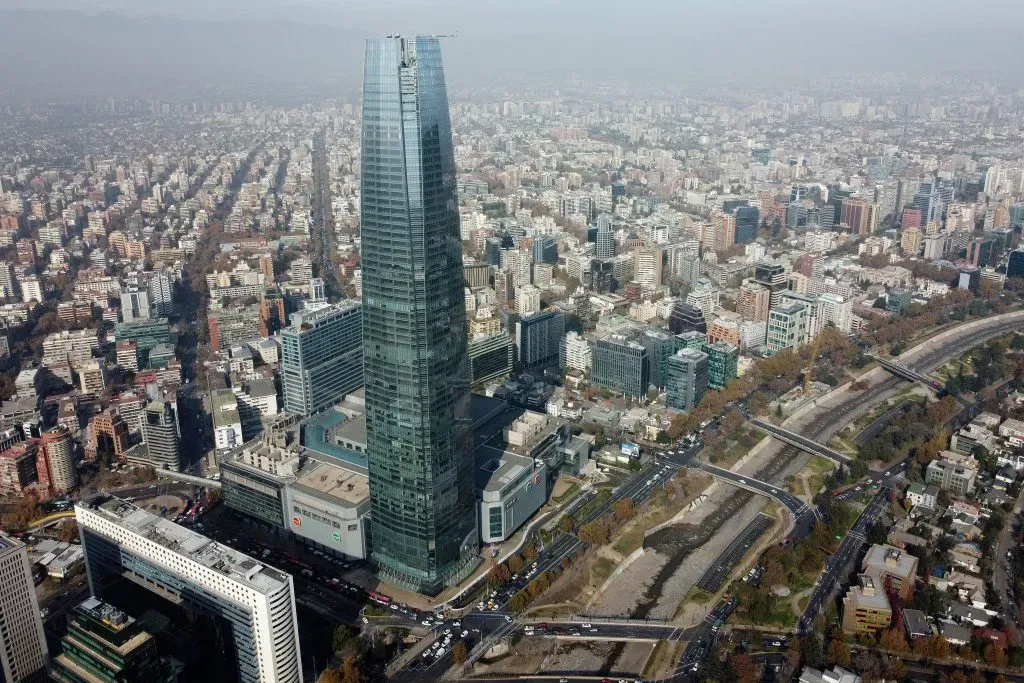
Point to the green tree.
(341, 636)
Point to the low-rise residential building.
(227, 423)
(952, 473)
(866, 607)
(920, 495)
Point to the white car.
(585, 624)
(508, 618)
(743, 481)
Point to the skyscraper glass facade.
(687, 379)
(621, 365)
(723, 359)
(418, 422)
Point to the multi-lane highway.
(839, 564)
(792, 503)
(727, 560)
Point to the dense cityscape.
(597, 381)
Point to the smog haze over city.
(103, 45)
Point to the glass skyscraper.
(418, 422)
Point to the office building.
(418, 424)
(55, 464)
(545, 249)
(686, 317)
(950, 475)
(928, 201)
(911, 218)
(604, 244)
(601, 276)
(859, 215)
(134, 305)
(490, 356)
(691, 340)
(788, 326)
(146, 334)
(723, 359)
(772, 276)
(539, 338)
(748, 220)
(321, 356)
(256, 602)
(660, 347)
(980, 251)
(687, 378)
(105, 645)
(160, 432)
(477, 274)
(621, 365)
(1015, 263)
(23, 649)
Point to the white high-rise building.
(647, 266)
(302, 271)
(31, 289)
(258, 601)
(161, 293)
(134, 305)
(8, 285)
(575, 352)
(527, 300)
(836, 310)
(23, 646)
(317, 289)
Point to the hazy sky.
(668, 41)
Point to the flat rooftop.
(336, 482)
(188, 544)
(496, 469)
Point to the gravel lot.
(697, 562)
(625, 591)
(577, 657)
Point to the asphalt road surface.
(839, 564)
(794, 504)
(716, 575)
